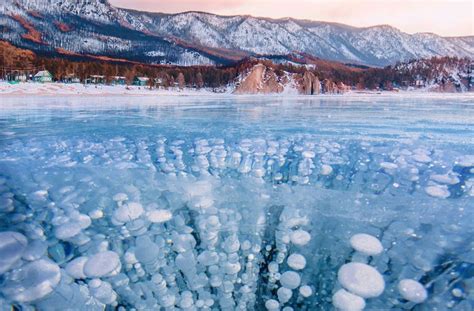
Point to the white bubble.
(412, 290)
(300, 237)
(12, 245)
(67, 230)
(388, 165)
(159, 216)
(284, 294)
(345, 301)
(296, 261)
(290, 279)
(272, 304)
(366, 244)
(326, 170)
(308, 154)
(35, 250)
(306, 291)
(119, 197)
(128, 212)
(361, 279)
(75, 268)
(438, 191)
(33, 281)
(102, 264)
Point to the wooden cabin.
(141, 81)
(43, 76)
(118, 80)
(71, 78)
(96, 79)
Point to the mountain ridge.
(193, 37)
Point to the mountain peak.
(205, 37)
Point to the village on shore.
(26, 73)
(44, 76)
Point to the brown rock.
(329, 87)
(310, 84)
(259, 80)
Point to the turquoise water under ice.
(198, 203)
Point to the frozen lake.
(237, 203)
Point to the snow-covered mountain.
(438, 74)
(96, 27)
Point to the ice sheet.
(246, 203)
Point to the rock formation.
(262, 79)
(330, 87)
(259, 80)
(310, 84)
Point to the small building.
(43, 76)
(16, 77)
(141, 81)
(119, 80)
(419, 82)
(71, 78)
(95, 79)
(159, 82)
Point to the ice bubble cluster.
(184, 223)
(359, 280)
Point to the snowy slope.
(379, 45)
(207, 34)
(77, 27)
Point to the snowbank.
(51, 89)
(82, 89)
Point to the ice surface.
(246, 203)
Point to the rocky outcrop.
(310, 84)
(330, 87)
(260, 80)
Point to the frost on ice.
(277, 223)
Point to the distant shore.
(64, 89)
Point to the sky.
(443, 17)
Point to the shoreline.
(25, 90)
